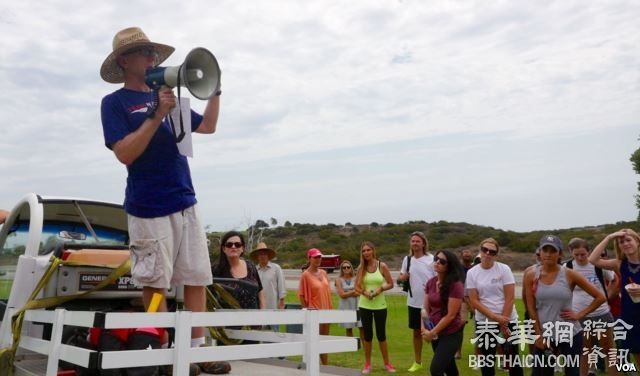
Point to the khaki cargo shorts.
(169, 251)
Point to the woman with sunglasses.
(442, 324)
(549, 291)
(232, 266)
(491, 287)
(346, 289)
(626, 244)
(373, 279)
(314, 291)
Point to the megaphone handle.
(151, 112)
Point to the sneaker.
(215, 368)
(366, 369)
(389, 368)
(415, 367)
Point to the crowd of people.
(168, 247)
(446, 290)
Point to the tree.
(635, 161)
(287, 224)
(261, 224)
(274, 222)
(254, 233)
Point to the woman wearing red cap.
(314, 291)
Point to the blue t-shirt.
(159, 181)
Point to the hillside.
(391, 240)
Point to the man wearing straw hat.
(271, 277)
(167, 241)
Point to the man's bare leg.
(195, 300)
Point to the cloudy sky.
(518, 115)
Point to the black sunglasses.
(143, 51)
(441, 261)
(491, 252)
(233, 244)
(346, 267)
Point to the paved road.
(292, 276)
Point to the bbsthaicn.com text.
(524, 361)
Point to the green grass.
(5, 288)
(399, 339)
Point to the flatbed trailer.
(34, 352)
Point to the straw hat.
(124, 40)
(262, 247)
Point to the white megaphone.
(199, 73)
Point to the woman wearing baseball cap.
(549, 291)
(314, 291)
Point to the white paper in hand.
(185, 147)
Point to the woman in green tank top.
(373, 278)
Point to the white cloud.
(307, 81)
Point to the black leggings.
(562, 348)
(444, 351)
(367, 316)
(514, 370)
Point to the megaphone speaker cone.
(199, 73)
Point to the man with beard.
(417, 268)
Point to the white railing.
(309, 344)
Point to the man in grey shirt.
(271, 277)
